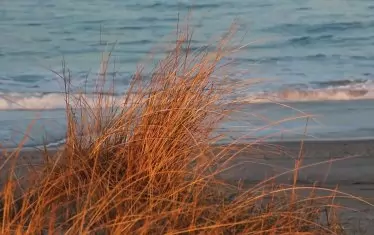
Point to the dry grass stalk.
(146, 165)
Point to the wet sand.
(346, 164)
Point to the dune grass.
(147, 164)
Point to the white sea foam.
(343, 92)
(36, 101)
(31, 101)
(335, 93)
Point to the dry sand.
(346, 164)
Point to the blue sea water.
(318, 54)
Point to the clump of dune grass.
(147, 164)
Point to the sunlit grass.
(147, 164)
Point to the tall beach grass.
(148, 164)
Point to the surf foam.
(340, 90)
(37, 101)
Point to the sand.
(326, 162)
(346, 164)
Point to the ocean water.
(318, 55)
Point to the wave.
(36, 101)
(309, 28)
(306, 40)
(358, 89)
(40, 101)
(342, 83)
(335, 90)
(311, 95)
(315, 95)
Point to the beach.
(282, 97)
(342, 165)
(326, 162)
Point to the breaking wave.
(342, 83)
(314, 95)
(37, 101)
(338, 90)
